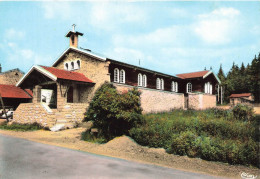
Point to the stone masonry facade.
(156, 101)
(201, 101)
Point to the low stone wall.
(33, 112)
(201, 101)
(72, 112)
(156, 100)
(69, 114)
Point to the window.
(144, 81)
(66, 66)
(72, 65)
(158, 83)
(189, 87)
(78, 64)
(208, 88)
(122, 76)
(176, 87)
(162, 84)
(116, 75)
(140, 79)
(72, 39)
(173, 86)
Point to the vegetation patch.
(21, 127)
(113, 113)
(229, 136)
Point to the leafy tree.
(114, 114)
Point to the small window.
(189, 87)
(78, 64)
(176, 87)
(66, 66)
(122, 76)
(140, 82)
(116, 75)
(72, 65)
(173, 86)
(72, 39)
(162, 84)
(144, 81)
(158, 83)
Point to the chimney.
(73, 35)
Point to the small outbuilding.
(245, 98)
(12, 96)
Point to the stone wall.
(156, 100)
(10, 77)
(201, 101)
(94, 69)
(33, 112)
(69, 114)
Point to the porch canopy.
(42, 75)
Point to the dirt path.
(125, 148)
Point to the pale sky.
(169, 37)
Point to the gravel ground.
(124, 147)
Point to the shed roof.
(193, 74)
(240, 95)
(198, 74)
(67, 75)
(11, 91)
(55, 74)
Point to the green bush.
(113, 113)
(210, 134)
(243, 112)
(21, 127)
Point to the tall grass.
(214, 134)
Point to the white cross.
(73, 27)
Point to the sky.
(167, 36)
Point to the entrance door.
(70, 95)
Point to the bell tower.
(73, 35)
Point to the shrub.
(21, 127)
(205, 134)
(242, 112)
(114, 114)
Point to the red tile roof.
(11, 91)
(193, 74)
(67, 75)
(240, 95)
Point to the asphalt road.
(20, 158)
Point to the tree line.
(243, 79)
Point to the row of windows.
(119, 77)
(75, 65)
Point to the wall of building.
(131, 76)
(156, 100)
(94, 69)
(10, 77)
(33, 112)
(200, 101)
(69, 114)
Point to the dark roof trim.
(70, 32)
(140, 68)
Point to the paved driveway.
(20, 158)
